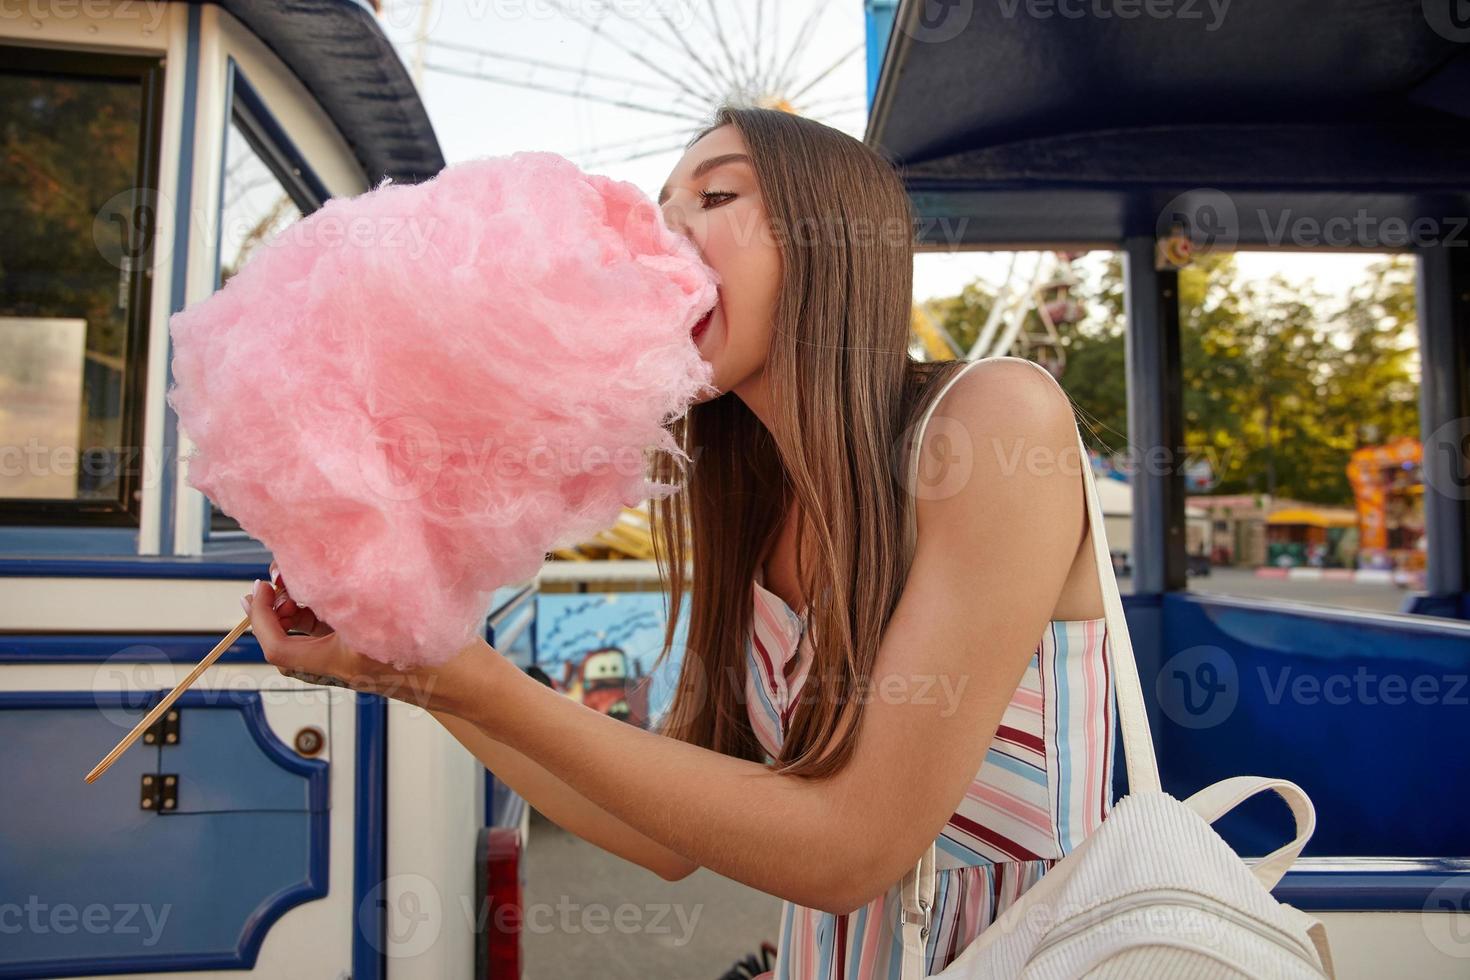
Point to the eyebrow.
(704, 167)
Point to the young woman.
(878, 658)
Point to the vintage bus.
(267, 825)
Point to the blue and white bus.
(264, 825)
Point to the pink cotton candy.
(413, 395)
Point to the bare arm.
(563, 805)
(948, 662)
(554, 798)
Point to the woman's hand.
(320, 656)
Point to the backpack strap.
(917, 890)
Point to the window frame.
(126, 508)
(272, 145)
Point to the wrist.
(471, 685)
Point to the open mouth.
(703, 324)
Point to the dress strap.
(911, 475)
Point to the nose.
(673, 215)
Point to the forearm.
(563, 805)
(784, 835)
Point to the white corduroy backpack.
(1154, 891)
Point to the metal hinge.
(164, 731)
(160, 792)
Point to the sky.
(621, 53)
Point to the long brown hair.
(843, 391)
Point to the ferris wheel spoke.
(638, 146)
(482, 54)
(639, 155)
(573, 93)
(719, 30)
(823, 74)
(803, 35)
(721, 82)
(599, 31)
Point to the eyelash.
(704, 196)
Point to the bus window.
(79, 226)
(254, 205)
(1301, 406)
(1063, 310)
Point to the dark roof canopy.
(1063, 120)
(339, 52)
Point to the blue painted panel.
(1365, 712)
(69, 540)
(878, 24)
(370, 839)
(172, 893)
(1426, 884)
(227, 759)
(250, 565)
(131, 648)
(1455, 605)
(103, 886)
(503, 806)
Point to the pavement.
(590, 914)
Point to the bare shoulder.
(1001, 444)
(1009, 391)
(1000, 400)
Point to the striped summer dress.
(1045, 784)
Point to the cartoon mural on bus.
(599, 649)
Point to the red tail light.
(498, 883)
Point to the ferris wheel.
(670, 63)
(1031, 306)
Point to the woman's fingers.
(263, 620)
(293, 615)
(282, 651)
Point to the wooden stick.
(162, 706)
